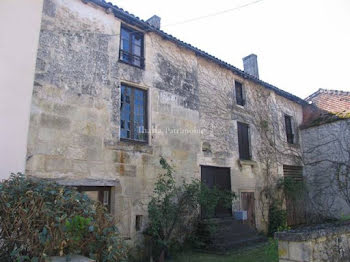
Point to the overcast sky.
(302, 45)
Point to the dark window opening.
(98, 193)
(243, 141)
(289, 129)
(138, 222)
(131, 47)
(239, 94)
(133, 114)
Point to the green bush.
(175, 207)
(277, 219)
(39, 218)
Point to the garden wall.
(326, 242)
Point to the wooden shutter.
(243, 141)
(296, 214)
(294, 172)
(248, 204)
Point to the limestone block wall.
(74, 126)
(321, 243)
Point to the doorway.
(220, 178)
(248, 204)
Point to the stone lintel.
(88, 182)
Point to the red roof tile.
(333, 101)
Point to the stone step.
(231, 234)
(237, 243)
(234, 228)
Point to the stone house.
(326, 152)
(112, 93)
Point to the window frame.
(145, 117)
(240, 150)
(100, 190)
(240, 101)
(131, 54)
(290, 136)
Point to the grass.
(262, 253)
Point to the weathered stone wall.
(74, 127)
(326, 150)
(322, 243)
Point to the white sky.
(302, 45)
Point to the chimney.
(154, 21)
(250, 64)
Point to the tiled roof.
(326, 106)
(333, 101)
(134, 20)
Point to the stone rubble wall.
(325, 147)
(322, 244)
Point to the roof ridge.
(334, 91)
(123, 14)
(327, 91)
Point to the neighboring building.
(20, 28)
(333, 101)
(326, 152)
(103, 76)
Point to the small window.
(138, 222)
(289, 129)
(243, 141)
(133, 114)
(98, 193)
(239, 94)
(131, 47)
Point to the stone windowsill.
(294, 145)
(251, 163)
(79, 182)
(129, 146)
(313, 232)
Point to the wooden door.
(248, 204)
(218, 177)
(295, 205)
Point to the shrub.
(39, 218)
(174, 209)
(277, 218)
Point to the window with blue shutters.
(131, 47)
(133, 114)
